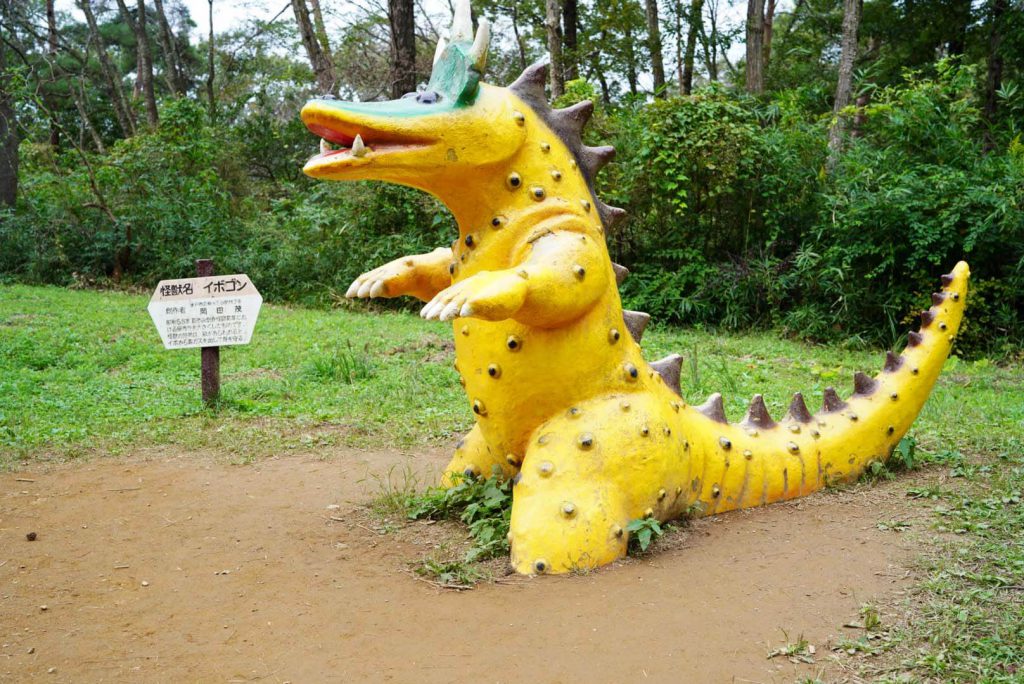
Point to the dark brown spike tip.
(636, 322)
(758, 414)
(798, 409)
(621, 273)
(892, 362)
(938, 298)
(832, 401)
(946, 279)
(914, 338)
(531, 82)
(668, 368)
(579, 113)
(863, 384)
(926, 318)
(713, 408)
(610, 215)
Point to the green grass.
(83, 373)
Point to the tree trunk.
(654, 47)
(755, 46)
(994, 76)
(8, 138)
(570, 26)
(402, 21)
(632, 70)
(321, 29)
(844, 85)
(696, 21)
(51, 43)
(76, 94)
(769, 22)
(710, 45)
(679, 45)
(210, 70)
(173, 74)
(323, 68)
(553, 27)
(142, 38)
(125, 115)
(519, 38)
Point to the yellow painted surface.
(562, 397)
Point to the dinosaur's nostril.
(427, 97)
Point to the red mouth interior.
(331, 136)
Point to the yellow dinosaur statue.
(565, 404)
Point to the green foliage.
(485, 505)
(642, 532)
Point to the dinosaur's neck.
(541, 178)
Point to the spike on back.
(668, 368)
(914, 338)
(713, 408)
(621, 273)
(938, 298)
(832, 402)
(636, 323)
(578, 114)
(926, 318)
(568, 124)
(798, 410)
(758, 414)
(530, 84)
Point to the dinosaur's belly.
(517, 377)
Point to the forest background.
(809, 167)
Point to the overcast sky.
(229, 14)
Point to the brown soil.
(176, 568)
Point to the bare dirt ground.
(181, 568)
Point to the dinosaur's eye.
(427, 97)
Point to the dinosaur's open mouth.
(346, 143)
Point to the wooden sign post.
(208, 312)
(210, 355)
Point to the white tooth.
(358, 148)
(325, 146)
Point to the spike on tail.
(743, 467)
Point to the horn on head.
(478, 53)
(441, 45)
(462, 23)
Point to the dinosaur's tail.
(758, 461)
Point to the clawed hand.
(490, 295)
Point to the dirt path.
(178, 569)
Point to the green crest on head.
(459, 64)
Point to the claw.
(364, 289)
(378, 289)
(352, 289)
(451, 311)
(466, 311)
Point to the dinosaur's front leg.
(474, 457)
(558, 277)
(420, 275)
(588, 472)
